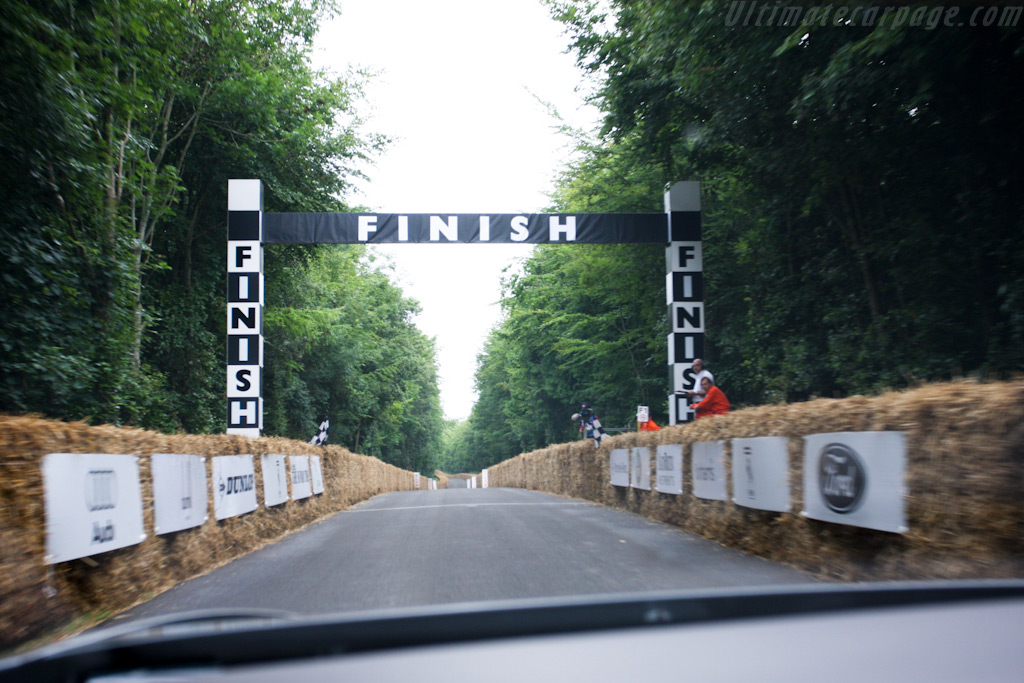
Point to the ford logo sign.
(842, 478)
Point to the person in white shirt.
(697, 393)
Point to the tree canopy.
(122, 121)
(861, 227)
(861, 220)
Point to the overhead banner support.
(684, 294)
(249, 228)
(245, 307)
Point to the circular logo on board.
(842, 478)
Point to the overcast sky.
(460, 89)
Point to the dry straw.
(964, 477)
(964, 507)
(35, 596)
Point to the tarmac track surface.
(466, 545)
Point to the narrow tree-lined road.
(428, 547)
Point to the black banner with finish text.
(537, 228)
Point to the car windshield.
(322, 308)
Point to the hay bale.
(964, 475)
(35, 596)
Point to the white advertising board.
(760, 473)
(708, 462)
(179, 491)
(93, 504)
(275, 479)
(618, 462)
(484, 481)
(316, 469)
(234, 485)
(640, 468)
(302, 477)
(856, 478)
(669, 469)
(416, 480)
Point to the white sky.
(458, 89)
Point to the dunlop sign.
(93, 504)
(234, 485)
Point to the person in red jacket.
(714, 403)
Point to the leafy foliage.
(861, 226)
(581, 324)
(122, 121)
(341, 344)
(860, 231)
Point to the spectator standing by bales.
(697, 393)
(589, 424)
(714, 403)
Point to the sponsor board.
(179, 492)
(275, 479)
(760, 473)
(316, 471)
(93, 504)
(856, 478)
(302, 476)
(669, 470)
(618, 463)
(234, 485)
(708, 463)
(640, 468)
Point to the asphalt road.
(465, 545)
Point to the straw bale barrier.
(964, 481)
(36, 597)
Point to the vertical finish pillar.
(684, 293)
(245, 308)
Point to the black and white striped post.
(684, 293)
(245, 308)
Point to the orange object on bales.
(649, 426)
(714, 404)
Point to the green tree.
(583, 323)
(341, 344)
(836, 251)
(122, 122)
